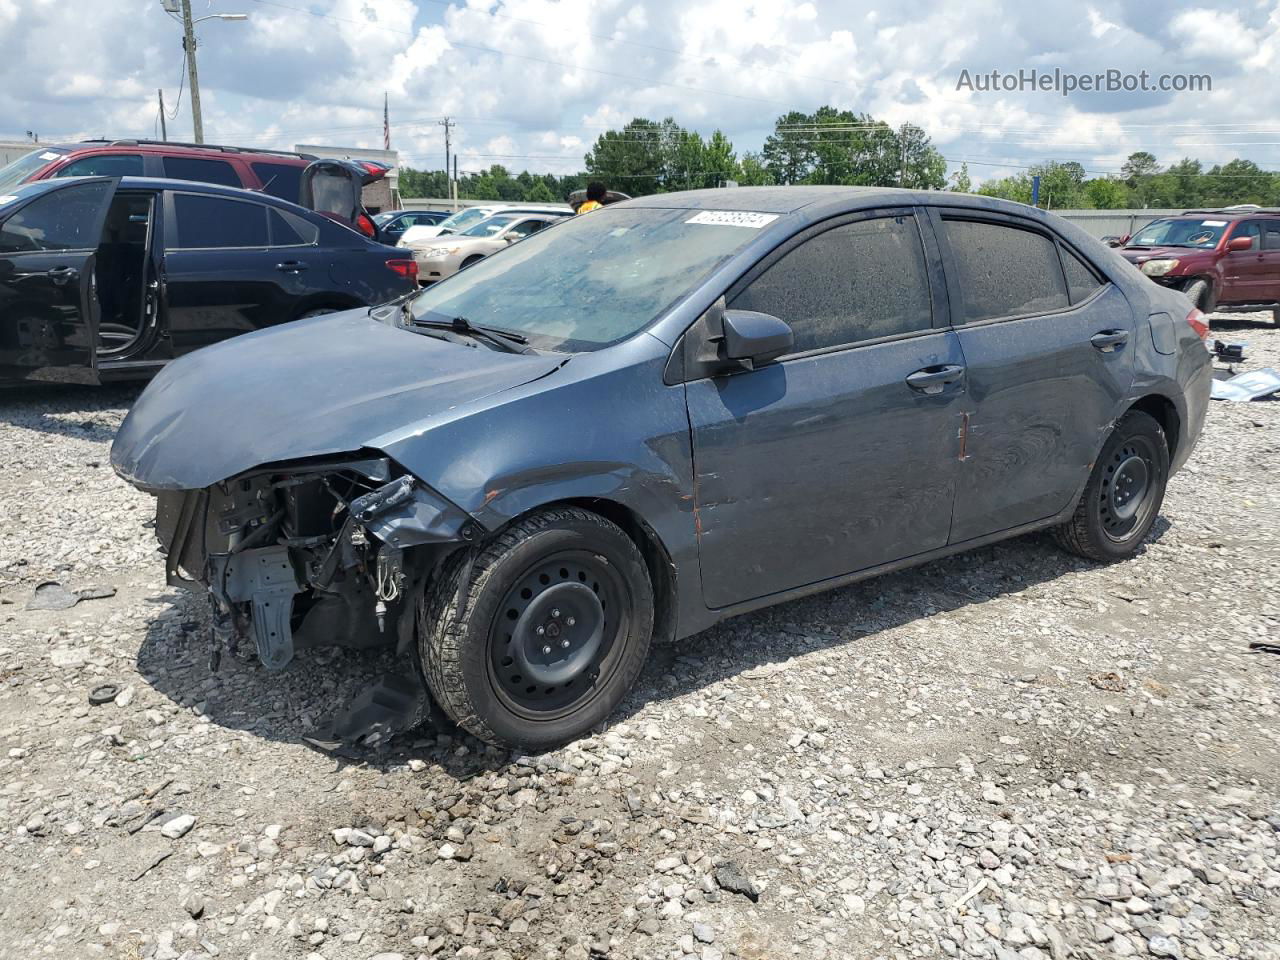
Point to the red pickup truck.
(1224, 260)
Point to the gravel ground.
(1007, 754)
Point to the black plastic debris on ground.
(51, 595)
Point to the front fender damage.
(330, 553)
(310, 554)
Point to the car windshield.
(592, 281)
(463, 218)
(487, 228)
(24, 166)
(383, 218)
(1180, 233)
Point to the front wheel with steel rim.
(536, 639)
(1124, 492)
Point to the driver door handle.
(1108, 341)
(931, 380)
(291, 266)
(63, 274)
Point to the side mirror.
(755, 338)
(1125, 240)
(1240, 243)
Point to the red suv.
(270, 171)
(1226, 260)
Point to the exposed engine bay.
(324, 553)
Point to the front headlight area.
(1158, 268)
(329, 553)
(437, 253)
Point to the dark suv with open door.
(104, 278)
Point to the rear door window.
(104, 165)
(201, 170)
(279, 179)
(860, 281)
(1271, 235)
(1003, 271)
(216, 222)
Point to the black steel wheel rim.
(557, 635)
(1128, 493)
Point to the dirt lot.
(1008, 754)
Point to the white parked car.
(469, 217)
(441, 257)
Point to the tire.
(1200, 294)
(469, 261)
(1124, 493)
(567, 572)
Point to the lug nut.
(555, 612)
(540, 631)
(546, 650)
(570, 622)
(564, 644)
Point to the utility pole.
(448, 126)
(189, 45)
(164, 134)
(455, 181)
(902, 156)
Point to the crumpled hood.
(309, 388)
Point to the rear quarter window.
(1003, 271)
(1081, 280)
(281, 180)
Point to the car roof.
(159, 183)
(178, 147)
(811, 203)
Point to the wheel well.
(661, 569)
(1162, 410)
(326, 303)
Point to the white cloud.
(542, 78)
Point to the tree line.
(1141, 183)
(831, 146)
(659, 156)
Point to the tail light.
(365, 225)
(406, 268)
(1198, 323)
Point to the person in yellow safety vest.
(595, 197)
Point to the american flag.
(386, 125)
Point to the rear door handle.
(932, 380)
(1109, 340)
(291, 266)
(63, 274)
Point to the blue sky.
(533, 82)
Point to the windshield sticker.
(1213, 223)
(8, 198)
(733, 218)
(49, 155)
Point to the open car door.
(49, 236)
(334, 188)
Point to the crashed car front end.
(328, 552)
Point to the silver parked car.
(442, 257)
(470, 216)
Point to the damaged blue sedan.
(653, 417)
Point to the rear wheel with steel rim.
(1124, 492)
(537, 638)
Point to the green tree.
(719, 161)
(1106, 194)
(635, 155)
(540, 193)
(1139, 164)
(960, 181)
(752, 171)
(787, 152)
